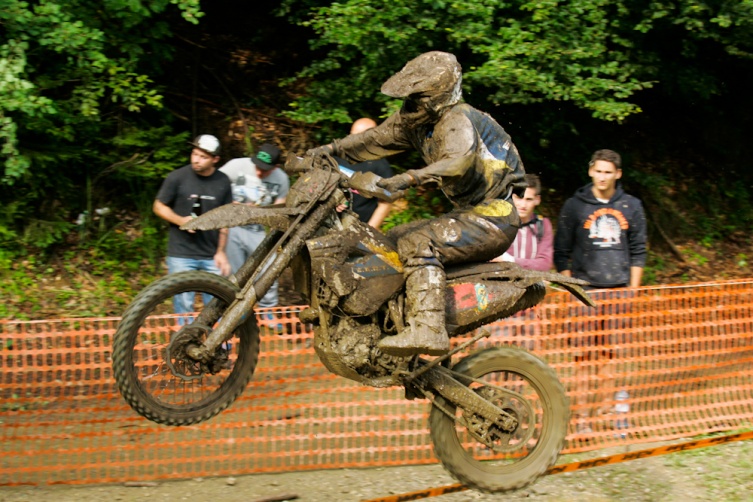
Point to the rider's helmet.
(429, 84)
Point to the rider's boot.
(425, 331)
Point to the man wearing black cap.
(472, 159)
(186, 193)
(256, 181)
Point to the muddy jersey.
(600, 241)
(468, 154)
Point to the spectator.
(532, 247)
(369, 210)
(256, 181)
(186, 193)
(601, 238)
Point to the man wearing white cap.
(185, 194)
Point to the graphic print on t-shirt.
(197, 206)
(273, 190)
(605, 226)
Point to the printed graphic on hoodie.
(605, 226)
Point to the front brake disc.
(176, 356)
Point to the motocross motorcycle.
(498, 416)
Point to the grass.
(723, 473)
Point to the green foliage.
(595, 54)
(66, 65)
(416, 206)
(94, 280)
(701, 208)
(655, 264)
(74, 89)
(42, 209)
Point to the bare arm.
(636, 273)
(380, 213)
(166, 213)
(220, 258)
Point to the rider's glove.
(321, 150)
(397, 183)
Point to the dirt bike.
(498, 417)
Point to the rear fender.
(481, 293)
(471, 304)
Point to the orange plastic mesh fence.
(683, 354)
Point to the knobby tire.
(127, 336)
(485, 475)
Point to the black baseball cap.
(267, 156)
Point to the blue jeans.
(183, 302)
(241, 243)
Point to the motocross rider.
(472, 159)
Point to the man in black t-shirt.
(185, 194)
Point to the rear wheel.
(150, 364)
(484, 456)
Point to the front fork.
(244, 302)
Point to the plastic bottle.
(621, 409)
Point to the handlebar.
(364, 183)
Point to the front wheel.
(154, 373)
(482, 455)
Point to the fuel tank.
(359, 264)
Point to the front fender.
(236, 215)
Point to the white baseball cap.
(208, 143)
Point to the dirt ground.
(720, 473)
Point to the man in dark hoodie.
(601, 232)
(601, 238)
